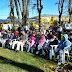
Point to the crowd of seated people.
(31, 39)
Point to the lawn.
(10, 61)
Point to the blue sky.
(49, 7)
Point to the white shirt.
(27, 27)
(59, 29)
(0, 34)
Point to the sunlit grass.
(8, 57)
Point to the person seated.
(8, 32)
(58, 34)
(50, 36)
(0, 34)
(59, 29)
(22, 41)
(31, 43)
(12, 39)
(17, 33)
(41, 43)
(64, 43)
(54, 40)
(49, 43)
(47, 32)
(29, 34)
(4, 38)
(17, 39)
(38, 37)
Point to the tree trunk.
(20, 6)
(27, 9)
(24, 12)
(17, 10)
(60, 19)
(69, 10)
(39, 18)
(12, 12)
(39, 8)
(70, 18)
(60, 9)
(24, 9)
(13, 19)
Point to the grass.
(10, 61)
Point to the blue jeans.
(28, 48)
(3, 42)
(40, 47)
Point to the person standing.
(31, 28)
(8, 27)
(27, 27)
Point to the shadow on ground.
(24, 66)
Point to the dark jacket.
(31, 28)
(5, 36)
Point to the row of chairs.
(66, 50)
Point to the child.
(41, 43)
(31, 43)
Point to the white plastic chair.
(12, 41)
(51, 52)
(66, 51)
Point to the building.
(50, 20)
(46, 21)
(4, 23)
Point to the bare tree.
(23, 14)
(70, 10)
(17, 10)
(60, 9)
(12, 12)
(39, 8)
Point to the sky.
(49, 8)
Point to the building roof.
(9, 20)
(33, 19)
(51, 15)
(4, 20)
(48, 15)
